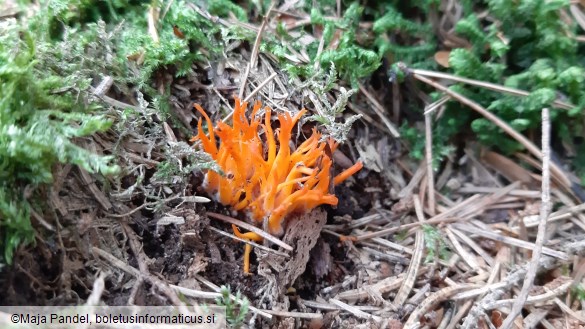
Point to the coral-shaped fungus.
(266, 178)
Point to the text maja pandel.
(53, 318)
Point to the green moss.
(525, 45)
(38, 125)
(434, 244)
(223, 8)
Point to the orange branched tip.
(262, 175)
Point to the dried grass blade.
(545, 208)
(252, 243)
(416, 260)
(465, 255)
(483, 84)
(358, 313)
(488, 259)
(379, 109)
(412, 272)
(511, 241)
(383, 286)
(251, 228)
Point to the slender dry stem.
(541, 235)
(483, 84)
(429, 159)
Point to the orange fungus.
(262, 175)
